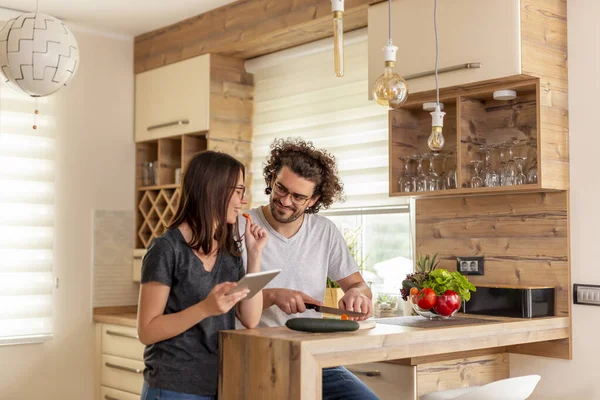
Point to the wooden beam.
(245, 29)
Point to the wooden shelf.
(158, 187)
(473, 119)
(157, 204)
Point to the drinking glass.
(432, 178)
(520, 178)
(419, 179)
(476, 180)
(511, 168)
(405, 183)
(490, 176)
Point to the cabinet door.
(122, 374)
(469, 31)
(107, 393)
(389, 381)
(138, 256)
(122, 341)
(167, 97)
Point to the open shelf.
(156, 204)
(475, 124)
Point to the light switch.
(586, 294)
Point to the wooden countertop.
(126, 316)
(303, 354)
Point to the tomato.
(427, 298)
(447, 303)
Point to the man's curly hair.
(304, 160)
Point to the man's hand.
(289, 301)
(355, 300)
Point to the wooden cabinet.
(214, 94)
(173, 100)
(120, 356)
(389, 381)
(533, 126)
(469, 32)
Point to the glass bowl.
(430, 313)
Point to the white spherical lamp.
(38, 54)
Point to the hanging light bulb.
(337, 7)
(436, 139)
(390, 89)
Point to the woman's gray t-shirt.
(189, 362)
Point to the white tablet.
(254, 281)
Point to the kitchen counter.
(274, 363)
(126, 316)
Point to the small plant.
(427, 264)
(385, 301)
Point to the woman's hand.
(217, 302)
(256, 237)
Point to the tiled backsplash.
(113, 245)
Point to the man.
(307, 248)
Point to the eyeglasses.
(297, 199)
(241, 188)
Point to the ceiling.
(128, 17)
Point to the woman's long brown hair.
(208, 183)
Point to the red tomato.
(427, 298)
(447, 303)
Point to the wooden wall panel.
(544, 55)
(523, 237)
(245, 29)
(231, 109)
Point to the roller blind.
(297, 95)
(27, 169)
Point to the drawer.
(121, 341)
(122, 374)
(388, 380)
(107, 393)
(138, 257)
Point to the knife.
(331, 310)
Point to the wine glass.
(418, 183)
(476, 180)
(432, 178)
(520, 178)
(511, 168)
(532, 172)
(490, 177)
(405, 183)
(443, 180)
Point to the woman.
(186, 274)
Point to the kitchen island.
(279, 363)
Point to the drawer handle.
(121, 334)
(166, 124)
(120, 367)
(366, 373)
(442, 70)
(107, 397)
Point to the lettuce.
(441, 280)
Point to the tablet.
(254, 281)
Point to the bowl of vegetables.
(435, 293)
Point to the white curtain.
(27, 171)
(297, 95)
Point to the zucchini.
(321, 325)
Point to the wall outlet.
(469, 265)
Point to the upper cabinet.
(173, 100)
(487, 33)
(494, 144)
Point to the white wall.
(583, 382)
(95, 170)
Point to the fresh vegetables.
(426, 298)
(437, 290)
(442, 280)
(447, 303)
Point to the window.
(26, 217)
(296, 94)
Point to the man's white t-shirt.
(316, 251)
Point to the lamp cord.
(437, 88)
(389, 21)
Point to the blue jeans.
(149, 393)
(341, 384)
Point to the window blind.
(27, 171)
(296, 94)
